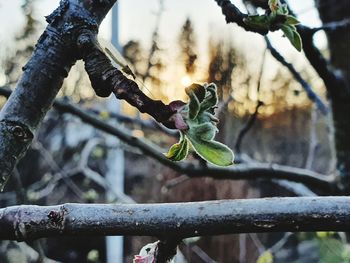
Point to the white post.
(115, 160)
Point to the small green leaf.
(258, 21)
(205, 131)
(200, 127)
(273, 5)
(291, 20)
(265, 257)
(178, 151)
(198, 90)
(212, 151)
(297, 43)
(291, 33)
(193, 106)
(207, 117)
(284, 9)
(288, 32)
(211, 99)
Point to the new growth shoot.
(201, 129)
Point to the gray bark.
(177, 220)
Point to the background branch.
(297, 76)
(237, 172)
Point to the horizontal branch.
(254, 171)
(177, 220)
(237, 172)
(333, 26)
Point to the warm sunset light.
(182, 121)
(186, 81)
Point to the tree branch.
(334, 82)
(234, 15)
(237, 172)
(177, 220)
(43, 75)
(147, 124)
(333, 26)
(308, 89)
(252, 118)
(105, 79)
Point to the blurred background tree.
(67, 154)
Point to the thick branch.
(177, 220)
(43, 75)
(105, 79)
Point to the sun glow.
(186, 81)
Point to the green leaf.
(331, 250)
(265, 257)
(178, 151)
(200, 131)
(198, 90)
(273, 5)
(291, 20)
(212, 151)
(205, 131)
(284, 9)
(288, 32)
(193, 106)
(207, 117)
(291, 33)
(258, 21)
(211, 99)
(297, 43)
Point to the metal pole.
(115, 160)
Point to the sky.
(137, 18)
(137, 21)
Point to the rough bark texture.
(339, 43)
(71, 35)
(173, 221)
(43, 75)
(105, 79)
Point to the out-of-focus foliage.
(265, 257)
(187, 43)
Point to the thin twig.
(313, 143)
(308, 89)
(245, 129)
(333, 26)
(237, 172)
